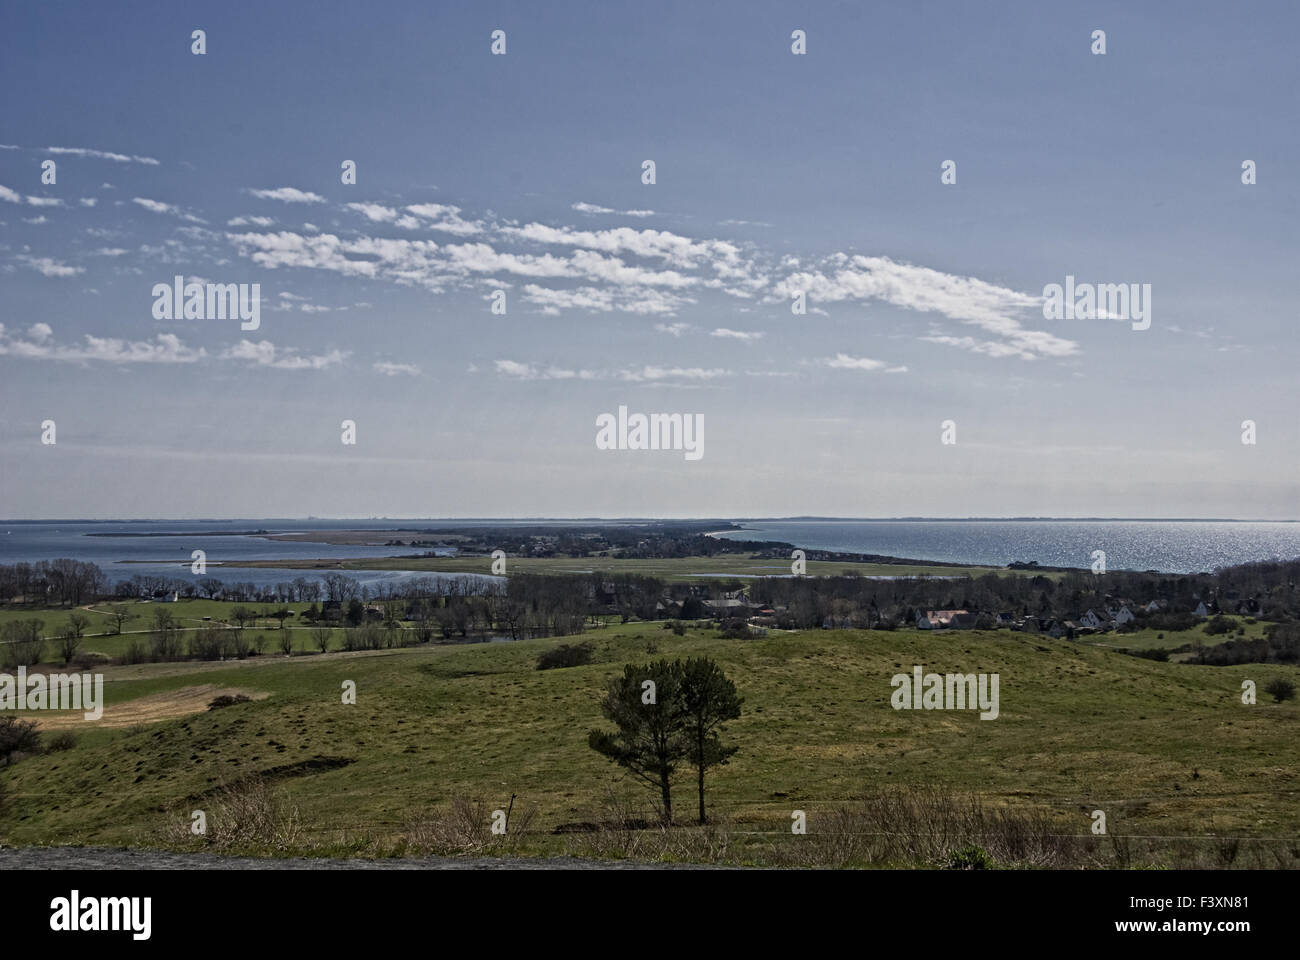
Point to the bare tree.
(120, 615)
(70, 640)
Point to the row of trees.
(22, 642)
(331, 587)
(45, 582)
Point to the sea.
(1169, 546)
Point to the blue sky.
(522, 172)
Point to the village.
(1114, 615)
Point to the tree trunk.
(700, 758)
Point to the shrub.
(971, 857)
(248, 815)
(1159, 654)
(17, 738)
(678, 628)
(89, 661)
(208, 643)
(1280, 689)
(320, 636)
(1219, 624)
(227, 700)
(565, 655)
(368, 636)
(61, 741)
(735, 629)
(465, 827)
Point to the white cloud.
(593, 208)
(639, 301)
(446, 219)
(645, 374)
(374, 211)
(674, 373)
(9, 196)
(266, 354)
(842, 361)
(250, 221)
(102, 155)
(288, 195)
(157, 206)
(395, 369)
(89, 201)
(968, 300)
(746, 335)
(675, 249)
(286, 249)
(45, 201)
(48, 266)
(164, 348)
(582, 298)
(673, 329)
(614, 270)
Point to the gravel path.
(110, 858)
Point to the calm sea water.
(1167, 546)
(1173, 546)
(170, 556)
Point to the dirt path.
(167, 705)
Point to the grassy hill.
(1162, 748)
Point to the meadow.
(1162, 748)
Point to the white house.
(1121, 616)
(1090, 619)
(1201, 610)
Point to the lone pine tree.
(667, 713)
(708, 699)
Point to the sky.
(775, 174)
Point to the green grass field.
(101, 636)
(1161, 747)
(1171, 639)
